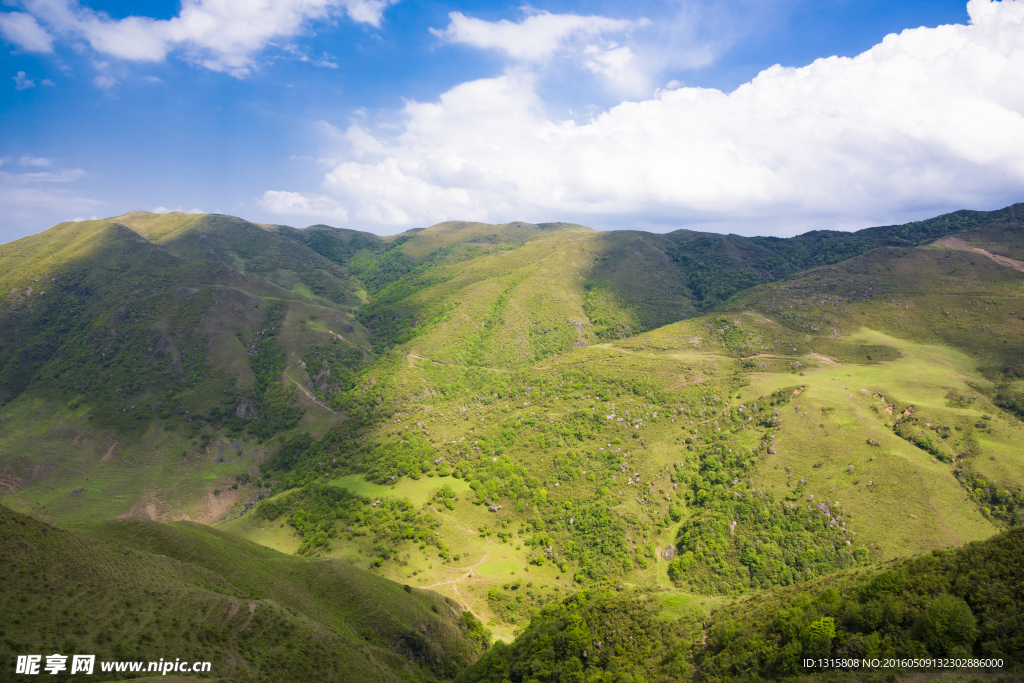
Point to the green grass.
(579, 393)
(134, 589)
(416, 491)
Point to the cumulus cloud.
(104, 81)
(29, 160)
(24, 31)
(534, 39)
(222, 35)
(928, 118)
(298, 204)
(541, 36)
(22, 82)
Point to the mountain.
(124, 590)
(508, 414)
(931, 607)
(121, 333)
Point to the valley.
(507, 419)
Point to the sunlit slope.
(146, 358)
(138, 590)
(505, 295)
(501, 305)
(728, 423)
(961, 603)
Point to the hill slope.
(700, 454)
(544, 407)
(146, 358)
(138, 590)
(961, 604)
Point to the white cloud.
(298, 204)
(29, 160)
(541, 36)
(23, 30)
(164, 209)
(26, 197)
(47, 81)
(22, 82)
(104, 81)
(222, 35)
(537, 38)
(932, 117)
(619, 66)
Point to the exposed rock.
(245, 407)
(668, 553)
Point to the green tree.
(946, 623)
(818, 637)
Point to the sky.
(754, 117)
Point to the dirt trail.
(825, 359)
(110, 452)
(232, 610)
(252, 611)
(468, 574)
(953, 539)
(960, 245)
(452, 520)
(311, 397)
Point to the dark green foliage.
(274, 406)
(960, 603)
(948, 626)
(1010, 400)
(771, 543)
(136, 590)
(391, 318)
(929, 606)
(716, 267)
(999, 503)
(592, 636)
(319, 512)
(341, 246)
(738, 538)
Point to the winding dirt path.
(311, 397)
(960, 245)
(825, 359)
(468, 574)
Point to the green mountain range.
(714, 442)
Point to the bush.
(947, 623)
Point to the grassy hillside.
(509, 413)
(139, 590)
(960, 604)
(702, 454)
(147, 358)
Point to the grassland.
(134, 372)
(136, 590)
(458, 392)
(507, 414)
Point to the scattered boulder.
(245, 407)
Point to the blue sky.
(383, 116)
